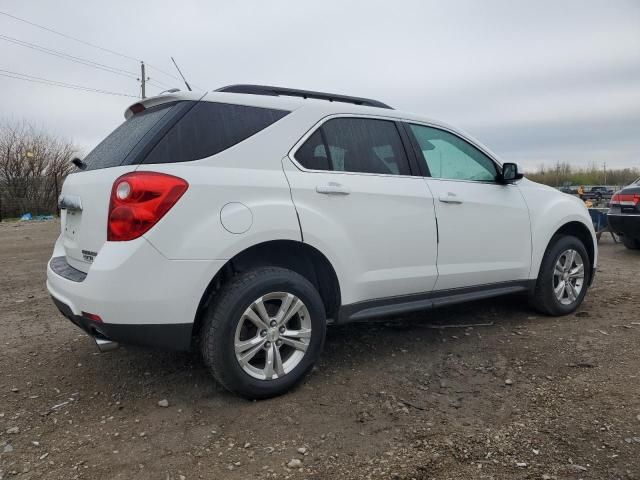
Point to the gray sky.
(538, 82)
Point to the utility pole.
(142, 81)
(604, 166)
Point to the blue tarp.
(28, 216)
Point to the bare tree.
(33, 165)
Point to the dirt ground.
(527, 396)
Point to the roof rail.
(292, 92)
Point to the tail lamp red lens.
(139, 200)
(628, 199)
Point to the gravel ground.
(524, 396)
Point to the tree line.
(33, 166)
(563, 174)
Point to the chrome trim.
(70, 202)
(323, 120)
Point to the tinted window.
(355, 145)
(116, 149)
(448, 156)
(312, 154)
(209, 128)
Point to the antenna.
(183, 79)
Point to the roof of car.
(286, 102)
(321, 107)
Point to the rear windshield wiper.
(79, 163)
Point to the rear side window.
(117, 148)
(355, 145)
(209, 128)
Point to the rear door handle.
(333, 188)
(450, 198)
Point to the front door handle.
(450, 198)
(333, 188)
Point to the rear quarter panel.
(249, 173)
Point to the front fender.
(549, 211)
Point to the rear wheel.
(264, 332)
(563, 278)
(631, 243)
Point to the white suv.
(249, 218)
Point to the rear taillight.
(139, 200)
(626, 199)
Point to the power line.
(69, 37)
(113, 52)
(162, 71)
(55, 83)
(159, 83)
(72, 58)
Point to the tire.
(631, 243)
(544, 298)
(229, 321)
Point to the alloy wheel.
(272, 335)
(568, 277)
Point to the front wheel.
(563, 278)
(263, 332)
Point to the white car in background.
(249, 218)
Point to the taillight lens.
(626, 199)
(139, 200)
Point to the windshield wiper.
(79, 163)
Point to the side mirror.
(510, 173)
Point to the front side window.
(450, 157)
(355, 145)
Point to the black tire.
(631, 243)
(224, 313)
(543, 298)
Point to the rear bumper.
(626, 225)
(142, 297)
(175, 336)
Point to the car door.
(483, 225)
(360, 204)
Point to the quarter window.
(355, 145)
(209, 128)
(448, 156)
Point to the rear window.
(117, 148)
(209, 128)
(180, 132)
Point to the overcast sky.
(537, 82)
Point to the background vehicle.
(249, 218)
(598, 192)
(624, 215)
(569, 190)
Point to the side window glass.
(355, 145)
(312, 154)
(365, 146)
(449, 156)
(209, 128)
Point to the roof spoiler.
(292, 92)
(164, 97)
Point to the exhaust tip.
(105, 345)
